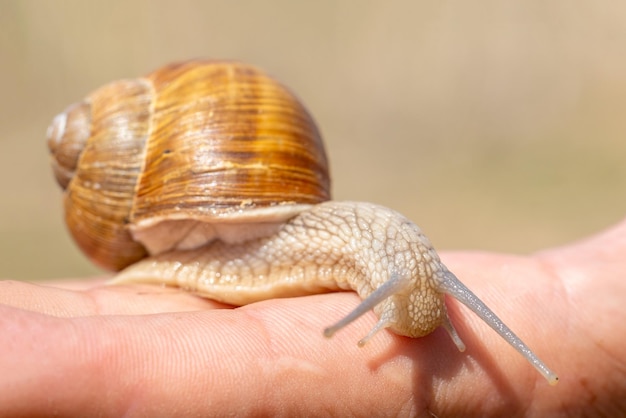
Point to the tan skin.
(83, 349)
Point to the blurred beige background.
(495, 125)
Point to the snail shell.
(219, 174)
(182, 156)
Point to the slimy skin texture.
(333, 246)
(367, 248)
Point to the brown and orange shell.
(198, 142)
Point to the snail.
(212, 176)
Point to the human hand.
(82, 348)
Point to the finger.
(266, 358)
(99, 299)
(76, 284)
(261, 358)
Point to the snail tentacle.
(451, 285)
(447, 325)
(390, 287)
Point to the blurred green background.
(495, 125)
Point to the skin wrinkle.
(283, 364)
(552, 292)
(556, 281)
(45, 334)
(97, 307)
(385, 356)
(556, 269)
(34, 297)
(275, 359)
(591, 396)
(131, 394)
(170, 340)
(271, 355)
(321, 379)
(395, 362)
(393, 380)
(108, 360)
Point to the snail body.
(221, 187)
(304, 256)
